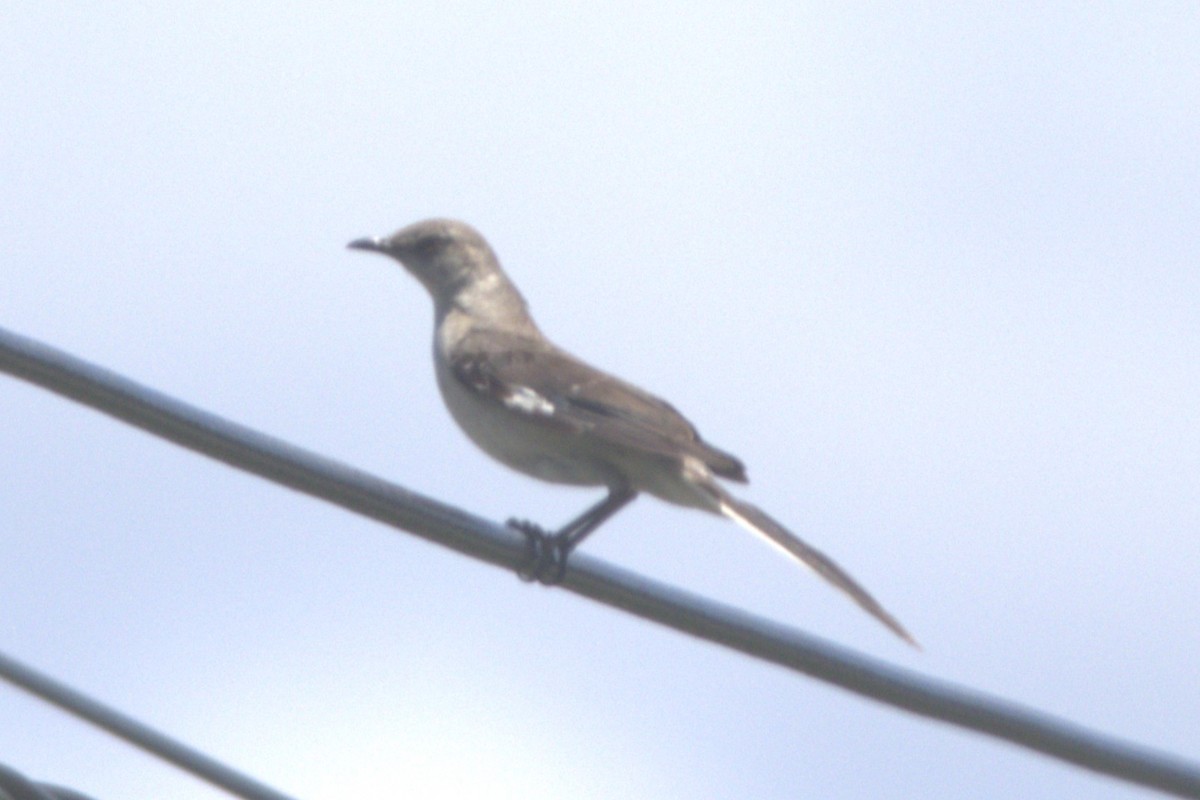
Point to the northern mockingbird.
(544, 412)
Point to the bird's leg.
(548, 552)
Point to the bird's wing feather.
(556, 389)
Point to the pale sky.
(933, 275)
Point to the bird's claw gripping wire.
(546, 559)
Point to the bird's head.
(445, 255)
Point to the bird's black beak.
(367, 243)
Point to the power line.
(125, 727)
(393, 505)
(15, 786)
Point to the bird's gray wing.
(554, 388)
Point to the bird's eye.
(430, 246)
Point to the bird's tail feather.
(756, 521)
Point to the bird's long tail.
(756, 521)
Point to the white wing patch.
(527, 401)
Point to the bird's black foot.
(547, 559)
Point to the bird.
(543, 412)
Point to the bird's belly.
(526, 446)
